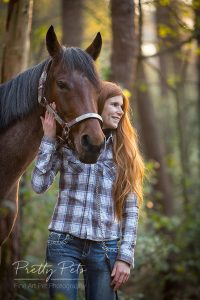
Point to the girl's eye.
(62, 85)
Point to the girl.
(94, 223)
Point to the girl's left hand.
(120, 272)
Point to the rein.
(45, 103)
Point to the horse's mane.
(18, 96)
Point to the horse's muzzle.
(90, 152)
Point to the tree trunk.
(15, 60)
(153, 145)
(177, 71)
(163, 20)
(197, 32)
(151, 136)
(17, 41)
(3, 11)
(72, 22)
(173, 66)
(123, 43)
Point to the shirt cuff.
(126, 258)
(48, 144)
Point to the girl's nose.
(120, 111)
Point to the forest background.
(152, 49)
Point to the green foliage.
(198, 51)
(164, 2)
(166, 31)
(196, 4)
(98, 20)
(173, 80)
(167, 253)
(143, 88)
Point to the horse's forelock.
(74, 58)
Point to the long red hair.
(126, 152)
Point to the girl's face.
(112, 112)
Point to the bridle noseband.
(45, 103)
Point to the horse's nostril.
(88, 146)
(85, 141)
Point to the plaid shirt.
(76, 211)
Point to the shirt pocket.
(71, 164)
(74, 167)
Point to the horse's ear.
(95, 48)
(52, 43)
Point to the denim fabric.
(67, 256)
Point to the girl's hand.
(49, 123)
(120, 272)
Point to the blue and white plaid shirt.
(76, 211)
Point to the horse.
(68, 78)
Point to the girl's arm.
(129, 229)
(47, 165)
(49, 159)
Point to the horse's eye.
(62, 85)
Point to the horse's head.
(73, 84)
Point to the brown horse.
(73, 84)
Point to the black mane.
(19, 96)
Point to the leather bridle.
(45, 103)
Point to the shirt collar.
(108, 134)
(109, 138)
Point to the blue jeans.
(68, 255)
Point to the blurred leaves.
(164, 2)
(166, 31)
(167, 250)
(196, 4)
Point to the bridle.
(66, 126)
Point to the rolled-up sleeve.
(47, 165)
(129, 230)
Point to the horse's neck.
(30, 133)
(20, 142)
(21, 133)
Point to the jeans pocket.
(56, 238)
(112, 246)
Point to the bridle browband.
(45, 103)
